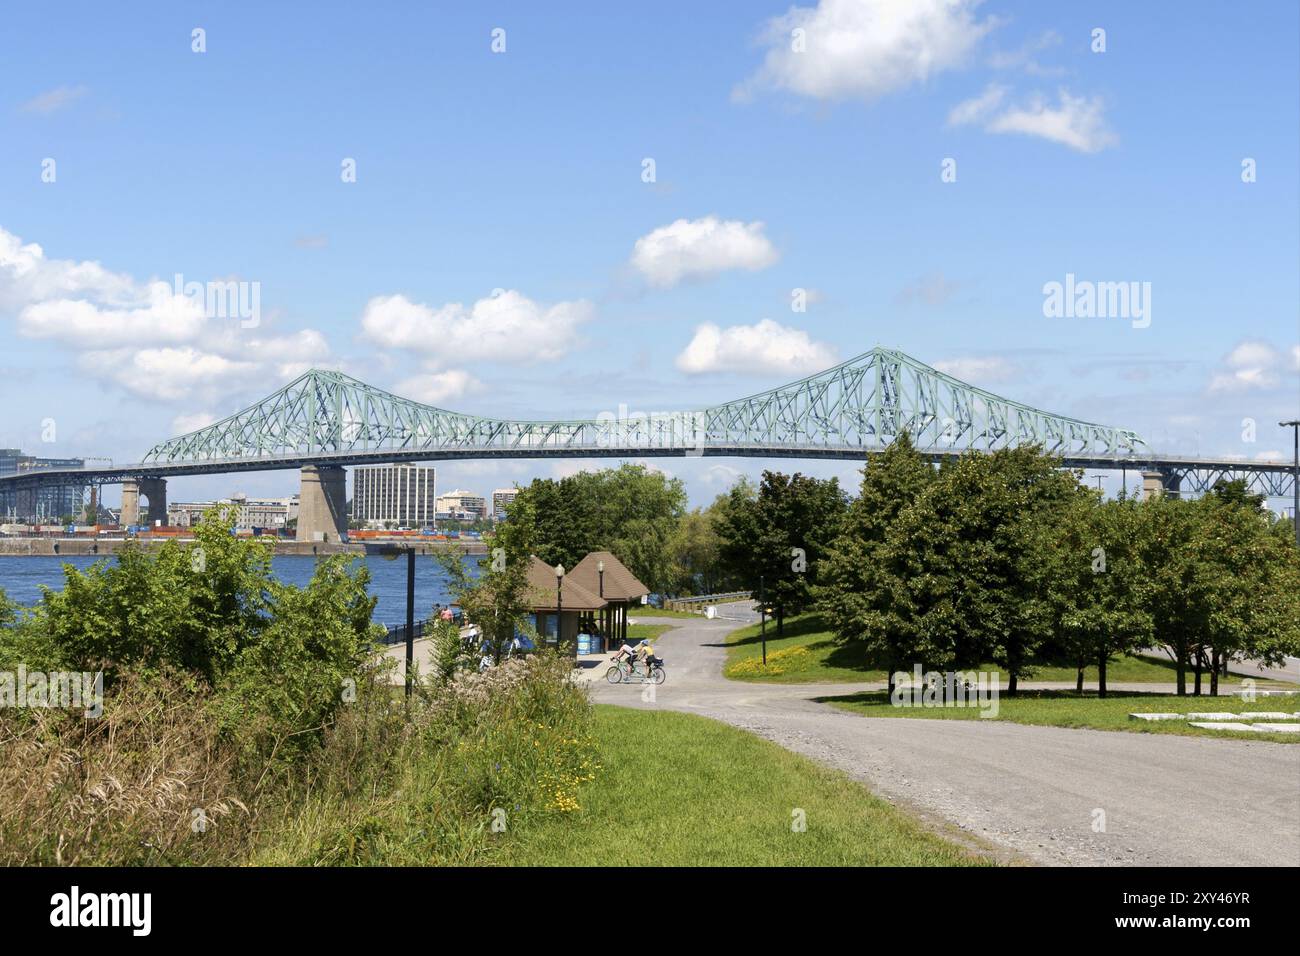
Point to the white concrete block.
(1277, 728)
(1219, 725)
(1155, 716)
(1216, 716)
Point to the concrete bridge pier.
(1161, 483)
(322, 504)
(154, 491)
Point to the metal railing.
(704, 600)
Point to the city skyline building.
(462, 505)
(405, 495)
(49, 503)
(501, 499)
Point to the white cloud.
(1077, 121)
(53, 100)
(865, 48)
(723, 476)
(976, 108)
(435, 388)
(506, 327)
(166, 317)
(767, 347)
(184, 424)
(169, 374)
(142, 336)
(979, 370)
(1253, 365)
(27, 276)
(694, 248)
(1024, 59)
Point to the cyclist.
(641, 652)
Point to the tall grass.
(160, 779)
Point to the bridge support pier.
(322, 504)
(130, 503)
(1159, 483)
(154, 491)
(1153, 485)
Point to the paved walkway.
(1034, 791)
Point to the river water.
(21, 578)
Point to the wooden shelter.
(552, 596)
(608, 578)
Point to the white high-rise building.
(403, 495)
(460, 505)
(500, 499)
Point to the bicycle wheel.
(614, 675)
(658, 675)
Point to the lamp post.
(391, 554)
(604, 612)
(1295, 478)
(762, 610)
(410, 616)
(559, 604)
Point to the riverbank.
(80, 547)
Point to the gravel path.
(1033, 791)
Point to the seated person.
(641, 652)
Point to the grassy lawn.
(1064, 709)
(645, 632)
(676, 789)
(807, 654)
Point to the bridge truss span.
(849, 410)
(330, 420)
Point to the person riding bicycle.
(641, 653)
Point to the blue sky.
(521, 172)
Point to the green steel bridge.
(326, 419)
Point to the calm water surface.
(21, 579)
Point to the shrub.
(249, 721)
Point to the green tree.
(498, 598)
(859, 588)
(1095, 581)
(967, 552)
(694, 551)
(776, 540)
(1166, 537)
(630, 511)
(211, 611)
(1245, 581)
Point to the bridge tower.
(322, 504)
(154, 491)
(1164, 482)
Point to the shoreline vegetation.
(246, 721)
